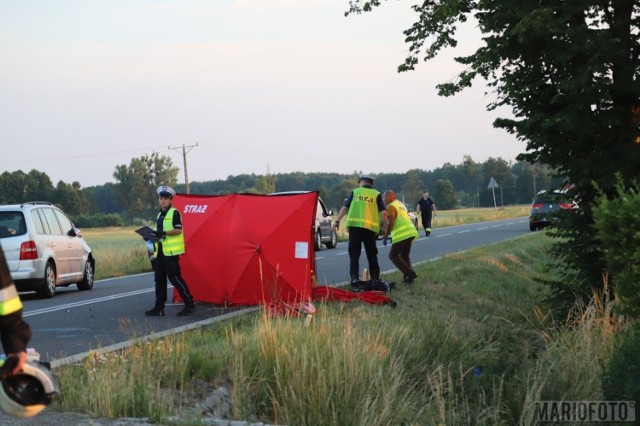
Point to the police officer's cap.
(365, 178)
(165, 191)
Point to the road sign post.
(492, 186)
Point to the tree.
(18, 187)
(137, 183)
(445, 194)
(570, 74)
(473, 177)
(266, 184)
(71, 199)
(412, 188)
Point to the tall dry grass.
(466, 344)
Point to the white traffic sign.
(492, 184)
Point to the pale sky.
(259, 85)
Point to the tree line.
(132, 197)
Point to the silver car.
(43, 248)
(324, 230)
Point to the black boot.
(410, 277)
(187, 310)
(155, 312)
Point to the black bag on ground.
(373, 285)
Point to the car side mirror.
(74, 232)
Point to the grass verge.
(466, 344)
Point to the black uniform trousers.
(169, 267)
(426, 220)
(358, 237)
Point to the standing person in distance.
(363, 208)
(168, 248)
(427, 208)
(399, 226)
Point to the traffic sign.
(492, 184)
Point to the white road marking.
(88, 302)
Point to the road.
(74, 322)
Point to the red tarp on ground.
(247, 249)
(327, 294)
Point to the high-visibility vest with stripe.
(9, 301)
(172, 245)
(403, 228)
(363, 210)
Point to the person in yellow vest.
(399, 227)
(363, 209)
(168, 248)
(15, 333)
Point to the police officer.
(363, 208)
(168, 248)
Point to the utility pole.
(184, 160)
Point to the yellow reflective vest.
(9, 301)
(363, 210)
(172, 245)
(403, 229)
(15, 332)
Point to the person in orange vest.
(363, 208)
(399, 227)
(168, 248)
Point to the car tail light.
(565, 206)
(28, 250)
(536, 206)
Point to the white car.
(43, 248)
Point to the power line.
(184, 159)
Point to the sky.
(245, 86)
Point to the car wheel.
(532, 227)
(317, 245)
(87, 279)
(48, 287)
(334, 239)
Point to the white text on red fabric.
(195, 208)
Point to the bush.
(98, 220)
(622, 378)
(617, 221)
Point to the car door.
(323, 216)
(57, 242)
(76, 249)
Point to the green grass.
(118, 251)
(360, 364)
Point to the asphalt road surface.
(74, 322)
